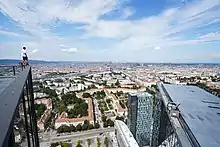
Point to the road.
(84, 134)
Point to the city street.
(74, 136)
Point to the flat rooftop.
(200, 110)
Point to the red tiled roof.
(44, 116)
(47, 100)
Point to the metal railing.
(18, 125)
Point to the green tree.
(134, 87)
(72, 128)
(60, 129)
(93, 86)
(97, 125)
(119, 118)
(85, 127)
(105, 124)
(89, 142)
(86, 95)
(103, 93)
(105, 83)
(110, 123)
(50, 92)
(62, 107)
(91, 126)
(65, 144)
(106, 141)
(117, 83)
(63, 128)
(79, 143)
(86, 122)
(79, 127)
(68, 98)
(40, 108)
(104, 118)
(102, 110)
(98, 142)
(66, 128)
(54, 144)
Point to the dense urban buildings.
(140, 116)
(86, 103)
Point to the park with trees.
(79, 106)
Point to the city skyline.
(161, 31)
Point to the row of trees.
(119, 118)
(38, 83)
(99, 95)
(107, 122)
(79, 143)
(98, 141)
(50, 92)
(79, 127)
(116, 85)
(122, 104)
(62, 144)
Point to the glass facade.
(140, 117)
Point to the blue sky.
(111, 30)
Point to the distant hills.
(16, 61)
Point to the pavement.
(98, 113)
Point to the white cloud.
(8, 33)
(34, 51)
(157, 48)
(70, 50)
(210, 36)
(126, 12)
(163, 30)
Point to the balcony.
(17, 113)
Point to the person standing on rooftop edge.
(24, 55)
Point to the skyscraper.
(140, 120)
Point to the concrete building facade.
(124, 135)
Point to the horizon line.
(121, 62)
